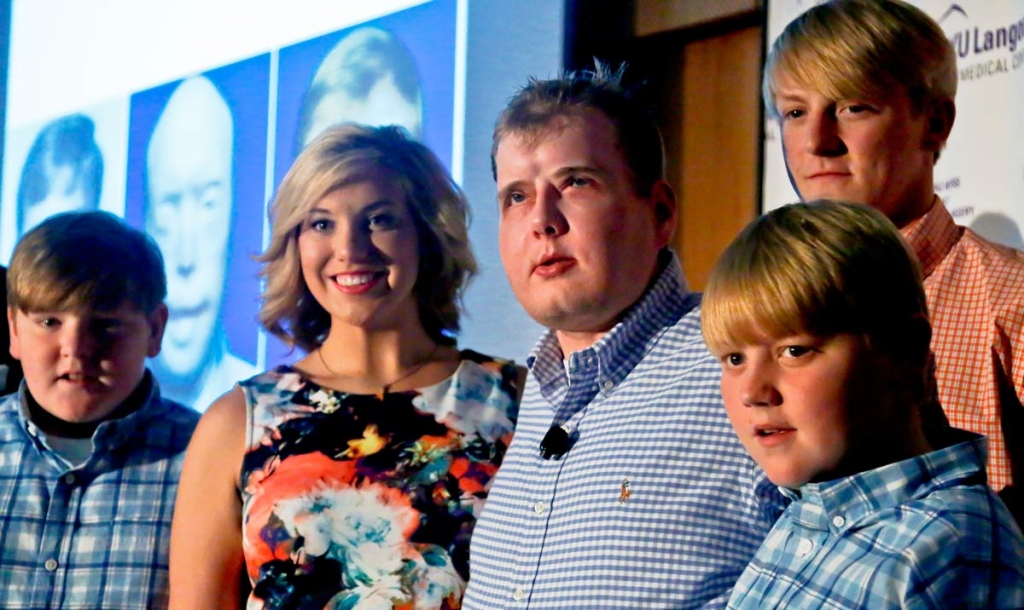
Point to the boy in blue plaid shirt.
(818, 316)
(89, 452)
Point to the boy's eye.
(49, 322)
(733, 359)
(795, 351)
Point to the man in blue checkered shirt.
(624, 486)
(89, 452)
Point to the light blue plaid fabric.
(921, 533)
(96, 536)
(655, 505)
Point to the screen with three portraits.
(183, 116)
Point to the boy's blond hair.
(820, 268)
(854, 48)
(78, 260)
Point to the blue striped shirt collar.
(860, 495)
(616, 353)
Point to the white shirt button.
(539, 507)
(69, 479)
(518, 595)
(608, 384)
(804, 547)
(50, 565)
(838, 521)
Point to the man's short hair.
(85, 259)
(853, 48)
(65, 142)
(532, 110)
(822, 268)
(346, 155)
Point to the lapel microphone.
(556, 442)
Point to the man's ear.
(941, 115)
(663, 198)
(157, 324)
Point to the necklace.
(385, 388)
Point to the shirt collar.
(112, 432)
(932, 236)
(846, 501)
(665, 301)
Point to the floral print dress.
(354, 501)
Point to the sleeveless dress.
(355, 501)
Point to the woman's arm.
(206, 535)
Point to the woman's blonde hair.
(342, 156)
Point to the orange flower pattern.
(355, 501)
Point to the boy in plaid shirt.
(89, 452)
(817, 314)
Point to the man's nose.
(548, 218)
(822, 136)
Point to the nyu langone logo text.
(977, 40)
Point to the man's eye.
(578, 181)
(511, 199)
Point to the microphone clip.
(556, 442)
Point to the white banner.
(980, 175)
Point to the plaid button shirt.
(975, 292)
(654, 505)
(922, 533)
(96, 536)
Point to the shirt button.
(518, 595)
(838, 521)
(608, 384)
(69, 479)
(804, 547)
(539, 507)
(50, 565)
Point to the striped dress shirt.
(922, 533)
(975, 293)
(96, 536)
(654, 505)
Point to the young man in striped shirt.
(624, 486)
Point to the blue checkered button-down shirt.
(96, 536)
(922, 533)
(655, 504)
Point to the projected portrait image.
(201, 199)
(395, 70)
(369, 77)
(63, 172)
